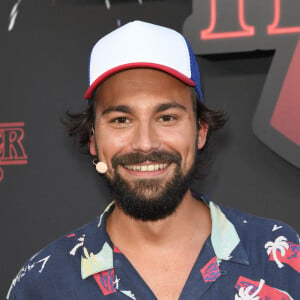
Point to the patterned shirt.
(244, 258)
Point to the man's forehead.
(130, 86)
(142, 78)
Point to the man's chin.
(146, 187)
(147, 195)
(151, 199)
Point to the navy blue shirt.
(244, 258)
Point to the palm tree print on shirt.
(249, 289)
(244, 292)
(283, 252)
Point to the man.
(147, 125)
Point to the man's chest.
(166, 277)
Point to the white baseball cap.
(140, 44)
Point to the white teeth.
(151, 168)
(146, 168)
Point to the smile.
(147, 168)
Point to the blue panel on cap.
(195, 73)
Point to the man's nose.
(145, 138)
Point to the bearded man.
(147, 125)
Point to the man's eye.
(120, 120)
(167, 118)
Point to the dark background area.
(44, 63)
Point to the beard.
(150, 199)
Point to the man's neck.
(191, 223)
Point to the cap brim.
(89, 93)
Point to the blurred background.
(47, 187)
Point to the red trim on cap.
(114, 70)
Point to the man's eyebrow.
(116, 108)
(165, 106)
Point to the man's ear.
(202, 134)
(92, 144)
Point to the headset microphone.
(101, 167)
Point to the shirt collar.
(224, 237)
(98, 250)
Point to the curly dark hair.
(80, 125)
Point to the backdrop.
(47, 186)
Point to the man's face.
(145, 131)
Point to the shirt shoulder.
(54, 265)
(271, 245)
(273, 252)
(250, 226)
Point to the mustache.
(138, 157)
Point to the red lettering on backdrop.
(244, 30)
(275, 121)
(273, 28)
(12, 151)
